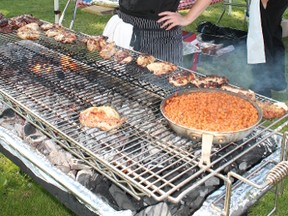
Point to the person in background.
(152, 27)
(270, 75)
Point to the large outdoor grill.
(49, 84)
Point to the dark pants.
(271, 75)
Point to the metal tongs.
(74, 13)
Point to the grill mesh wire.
(143, 156)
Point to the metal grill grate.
(144, 156)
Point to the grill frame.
(149, 84)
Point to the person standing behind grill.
(152, 27)
(269, 73)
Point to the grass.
(19, 194)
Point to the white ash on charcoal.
(101, 188)
(115, 196)
(262, 150)
(156, 160)
(121, 198)
(60, 158)
(158, 209)
(87, 177)
(7, 114)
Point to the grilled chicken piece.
(6, 29)
(46, 26)
(246, 92)
(103, 117)
(272, 110)
(145, 59)
(60, 34)
(95, 43)
(30, 31)
(55, 30)
(123, 56)
(159, 68)
(3, 22)
(181, 79)
(4, 25)
(22, 20)
(108, 51)
(210, 81)
(65, 37)
(126, 60)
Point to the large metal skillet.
(210, 137)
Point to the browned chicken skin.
(245, 92)
(60, 34)
(181, 79)
(123, 56)
(95, 43)
(103, 117)
(145, 59)
(160, 68)
(30, 31)
(108, 51)
(210, 81)
(272, 110)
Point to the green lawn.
(19, 195)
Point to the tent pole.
(56, 11)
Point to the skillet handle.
(207, 140)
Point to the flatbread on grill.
(102, 117)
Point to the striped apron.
(149, 38)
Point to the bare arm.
(169, 19)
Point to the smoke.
(232, 65)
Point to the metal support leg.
(56, 11)
(222, 14)
(64, 11)
(230, 7)
(229, 3)
(74, 14)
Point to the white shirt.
(255, 41)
